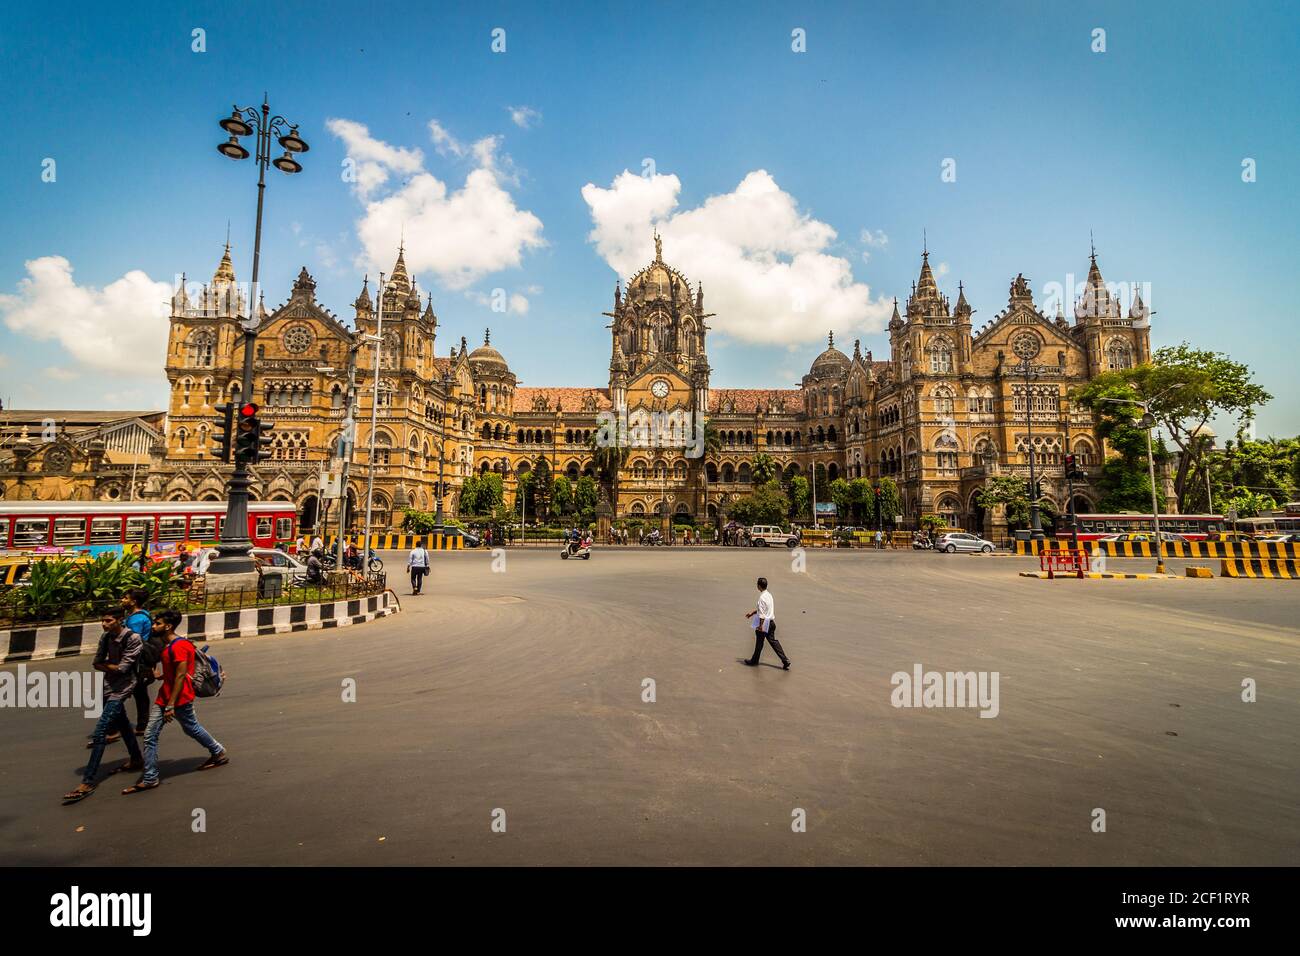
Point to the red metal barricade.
(1064, 561)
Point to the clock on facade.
(659, 389)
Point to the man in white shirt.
(418, 564)
(766, 627)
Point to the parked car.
(767, 535)
(469, 539)
(1278, 539)
(963, 541)
(269, 560)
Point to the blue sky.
(839, 150)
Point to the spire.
(895, 320)
(225, 273)
(487, 336)
(963, 307)
(1096, 300)
(830, 340)
(857, 348)
(428, 310)
(399, 281)
(362, 303)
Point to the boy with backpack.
(181, 664)
(140, 621)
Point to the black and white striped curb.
(66, 640)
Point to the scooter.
(577, 549)
(922, 544)
(329, 559)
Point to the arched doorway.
(309, 513)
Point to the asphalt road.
(521, 690)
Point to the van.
(767, 535)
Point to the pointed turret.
(400, 281)
(428, 311)
(895, 320)
(1138, 312)
(1096, 301)
(963, 309)
(225, 274)
(363, 304)
(181, 300)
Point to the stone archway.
(309, 513)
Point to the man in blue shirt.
(140, 621)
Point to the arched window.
(941, 352)
(1119, 355)
(945, 448)
(202, 349)
(944, 403)
(383, 448)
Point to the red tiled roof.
(570, 399)
(748, 399)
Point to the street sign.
(330, 484)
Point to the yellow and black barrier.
(1270, 550)
(404, 542)
(1286, 569)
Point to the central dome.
(658, 280)
(486, 355)
(832, 361)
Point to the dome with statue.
(659, 280)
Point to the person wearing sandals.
(119, 648)
(175, 699)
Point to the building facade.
(949, 408)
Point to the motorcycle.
(329, 559)
(575, 548)
(922, 544)
(652, 539)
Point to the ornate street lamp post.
(232, 552)
(447, 383)
(1030, 372)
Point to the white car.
(271, 560)
(767, 535)
(961, 541)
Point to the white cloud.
(120, 328)
(60, 374)
(460, 235)
(764, 263)
(374, 159)
(942, 270)
(524, 117)
(872, 240)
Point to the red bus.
(87, 527)
(1192, 527)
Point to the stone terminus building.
(947, 409)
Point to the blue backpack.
(208, 677)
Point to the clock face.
(659, 389)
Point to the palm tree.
(609, 459)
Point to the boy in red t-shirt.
(175, 699)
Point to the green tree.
(469, 494)
(762, 470)
(1252, 476)
(842, 496)
(891, 503)
(799, 495)
(491, 494)
(525, 500)
(1185, 388)
(863, 500)
(585, 498)
(609, 452)
(562, 495)
(539, 493)
(1014, 493)
(765, 505)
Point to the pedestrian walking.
(137, 619)
(117, 656)
(175, 701)
(879, 539)
(418, 564)
(765, 627)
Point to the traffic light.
(251, 435)
(224, 431)
(1072, 469)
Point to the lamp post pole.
(378, 339)
(347, 441)
(233, 550)
(442, 445)
(1035, 519)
